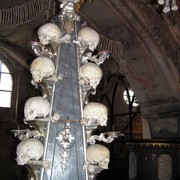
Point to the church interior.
(132, 89)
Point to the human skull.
(88, 38)
(98, 155)
(36, 107)
(42, 67)
(48, 33)
(30, 149)
(90, 75)
(96, 112)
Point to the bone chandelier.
(32, 149)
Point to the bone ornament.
(24, 134)
(68, 10)
(50, 33)
(98, 59)
(36, 107)
(167, 6)
(42, 50)
(30, 149)
(42, 67)
(94, 113)
(87, 38)
(97, 156)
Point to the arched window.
(6, 86)
(131, 94)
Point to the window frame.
(131, 97)
(10, 91)
(10, 111)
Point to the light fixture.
(39, 110)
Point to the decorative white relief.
(65, 139)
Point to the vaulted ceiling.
(150, 39)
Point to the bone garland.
(167, 6)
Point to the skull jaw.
(29, 116)
(96, 121)
(22, 161)
(102, 121)
(93, 45)
(37, 77)
(43, 40)
(104, 164)
(94, 83)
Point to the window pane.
(5, 99)
(131, 93)
(6, 82)
(4, 68)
